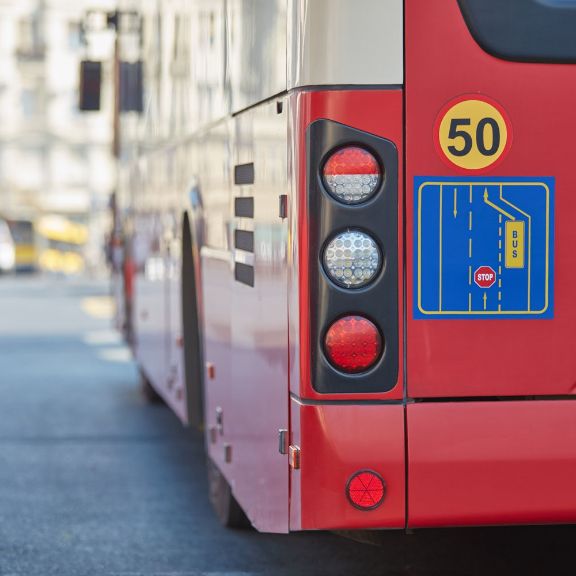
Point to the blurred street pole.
(114, 20)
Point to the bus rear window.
(524, 30)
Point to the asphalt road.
(95, 481)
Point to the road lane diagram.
(483, 247)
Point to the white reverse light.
(352, 259)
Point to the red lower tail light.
(366, 490)
(353, 344)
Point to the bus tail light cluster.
(353, 216)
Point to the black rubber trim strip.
(244, 207)
(465, 399)
(193, 341)
(336, 87)
(523, 30)
(244, 240)
(311, 88)
(445, 400)
(405, 298)
(334, 402)
(244, 174)
(244, 273)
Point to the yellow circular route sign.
(473, 132)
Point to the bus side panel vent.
(244, 174)
(244, 207)
(244, 240)
(244, 274)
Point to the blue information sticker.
(483, 247)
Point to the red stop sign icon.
(485, 276)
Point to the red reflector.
(352, 174)
(353, 344)
(366, 490)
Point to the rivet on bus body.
(220, 420)
(283, 441)
(227, 453)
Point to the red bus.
(350, 255)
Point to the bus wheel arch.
(193, 356)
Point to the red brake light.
(352, 174)
(366, 490)
(353, 344)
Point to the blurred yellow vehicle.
(25, 250)
(63, 242)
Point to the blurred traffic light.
(90, 85)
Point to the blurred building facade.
(54, 161)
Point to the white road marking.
(102, 338)
(119, 355)
(98, 307)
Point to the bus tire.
(225, 505)
(148, 391)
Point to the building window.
(32, 100)
(30, 38)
